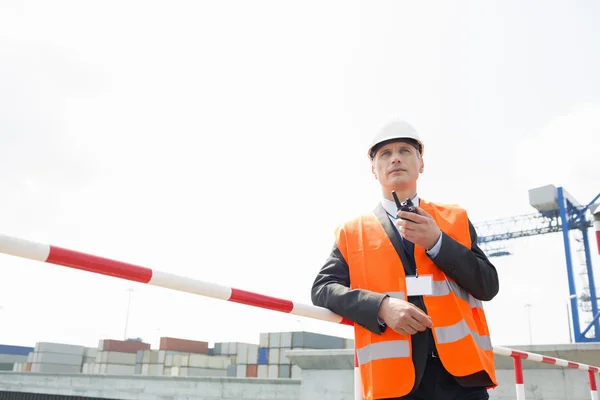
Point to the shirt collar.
(390, 205)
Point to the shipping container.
(273, 356)
(296, 372)
(7, 366)
(61, 348)
(56, 368)
(274, 339)
(251, 370)
(231, 370)
(264, 340)
(57, 358)
(310, 340)
(15, 350)
(184, 345)
(13, 358)
(240, 371)
(284, 371)
(261, 371)
(285, 340)
(272, 371)
(153, 369)
(282, 356)
(122, 346)
(263, 356)
(217, 349)
(115, 357)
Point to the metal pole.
(591, 281)
(127, 314)
(565, 231)
(528, 307)
(569, 319)
(593, 387)
(519, 382)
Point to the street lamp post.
(528, 307)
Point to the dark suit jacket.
(470, 268)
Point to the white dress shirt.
(392, 210)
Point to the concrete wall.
(152, 388)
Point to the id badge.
(421, 285)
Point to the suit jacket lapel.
(391, 232)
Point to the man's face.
(397, 165)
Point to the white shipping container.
(253, 354)
(296, 372)
(240, 371)
(272, 371)
(87, 368)
(116, 369)
(48, 347)
(162, 355)
(167, 371)
(153, 369)
(199, 361)
(56, 358)
(150, 357)
(282, 358)
(56, 368)
(274, 339)
(273, 356)
(242, 354)
(90, 352)
(10, 358)
(264, 340)
(185, 360)
(220, 362)
(115, 357)
(285, 339)
(177, 358)
(261, 371)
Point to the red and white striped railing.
(118, 269)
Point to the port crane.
(557, 211)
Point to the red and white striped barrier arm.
(118, 269)
(523, 355)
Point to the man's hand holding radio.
(419, 228)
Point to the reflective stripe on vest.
(454, 333)
(383, 350)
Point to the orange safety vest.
(459, 325)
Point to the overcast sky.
(224, 141)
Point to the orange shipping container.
(251, 371)
(183, 345)
(123, 346)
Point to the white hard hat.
(393, 131)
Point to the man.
(412, 282)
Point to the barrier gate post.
(104, 266)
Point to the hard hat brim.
(412, 141)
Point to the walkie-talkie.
(406, 205)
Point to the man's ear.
(422, 165)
